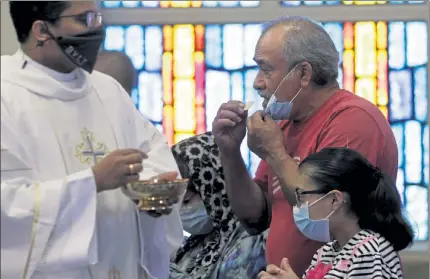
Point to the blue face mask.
(317, 230)
(278, 110)
(195, 219)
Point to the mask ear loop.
(334, 210)
(273, 97)
(297, 94)
(323, 197)
(41, 43)
(46, 30)
(319, 199)
(331, 213)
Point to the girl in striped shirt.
(343, 200)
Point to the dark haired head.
(119, 66)
(373, 197)
(25, 13)
(60, 35)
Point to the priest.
(70, 138)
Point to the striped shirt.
(367, 255)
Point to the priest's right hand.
(229, 126)
(118, 168)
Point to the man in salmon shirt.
(298, 68)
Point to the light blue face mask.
(317, 230)
(278, 110)
(195, 219)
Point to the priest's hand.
(283, 272)
(118, 168)
(265, 137)
(229, 126)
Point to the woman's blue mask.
(278, 110)
(195, 219)
(317, 230)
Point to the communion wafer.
(248, 105)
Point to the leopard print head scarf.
(201, 155)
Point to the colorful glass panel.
(289, 3)
(179, 4)
(386, 63)
(187, 71)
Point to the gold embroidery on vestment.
(89, 151)
(114, 273)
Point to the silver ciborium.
(155, 194)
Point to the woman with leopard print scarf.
(219, 247)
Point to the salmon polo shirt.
(345, 120)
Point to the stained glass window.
(386, 63)
(187, 71)
(292, 3)
(180, 4)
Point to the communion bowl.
(156, 195)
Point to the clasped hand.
(283, 272)
(265, 137)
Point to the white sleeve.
(160, 237)
(44, 224)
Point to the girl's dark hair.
(374, 198)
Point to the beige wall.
(9, 42)
(416, 265)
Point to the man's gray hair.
(306, 40)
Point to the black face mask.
(82, 49)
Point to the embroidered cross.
(114, 274)
(90, 152)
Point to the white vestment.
(54, 128)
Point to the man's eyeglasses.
(90, 19)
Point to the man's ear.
(306, 74)
(40, 31)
